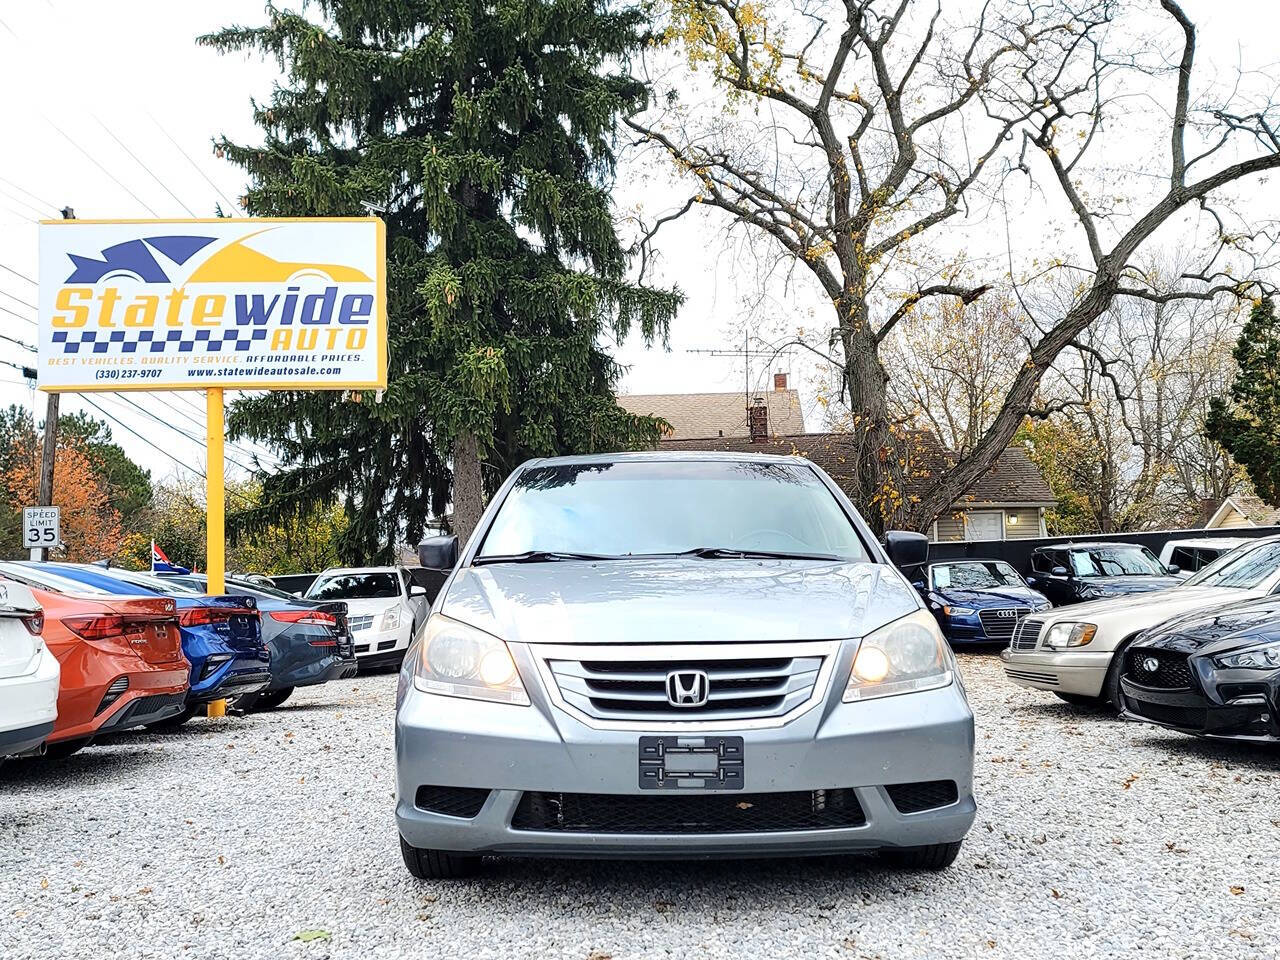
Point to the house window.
(984, 525)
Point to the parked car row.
(107, 650)
(1202, 657)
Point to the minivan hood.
(678, 600)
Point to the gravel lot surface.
(241, 838)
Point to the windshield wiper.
(732, 553)
(540, 556)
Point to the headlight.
(1259, 658)
(460, 661)
(902, 657)
(1063, 635)
(1038, 608)
(390, 619)
(959, 611)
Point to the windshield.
(975, 576)
(1117, 561)
(643, 507)
(356, 586)
(1244, 567)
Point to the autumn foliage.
(91, 527)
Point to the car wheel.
(68, 748)
(437, 864)
(935, 856)
(271, 699)
(1079, 699)
(1111, 685)
(177, 720)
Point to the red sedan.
(121, 658)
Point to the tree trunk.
(882, 495)
(468, 486)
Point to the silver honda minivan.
(674, 655)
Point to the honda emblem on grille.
(1150, 664)
(687, 688)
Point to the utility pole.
(50, 450)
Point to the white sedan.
(29, 673)
(384, 608)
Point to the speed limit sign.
(40, 527)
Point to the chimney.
(779, 381)
(758, 421)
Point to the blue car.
(976, 601)
(221, 636)
(310, 641)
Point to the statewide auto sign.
(257, 304)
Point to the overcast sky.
(109, 107)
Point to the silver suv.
(678, 655)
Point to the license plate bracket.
(697, 762)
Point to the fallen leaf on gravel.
(1130, 780)
(1236, 891)
(1242, 934)
(662, 906)
(144, 890)
(599, 955)
(991, 944)
(44, 884)
(306, 936)
(221, 860)
(1056, 894)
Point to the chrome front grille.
(1027, 634)
(999, 624)
(360, 623)
(756, 684)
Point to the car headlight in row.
(1266, 657)
(1063, 635)
(390, 619)
(958, 611)
(901, 657)
(460, 661)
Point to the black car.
(1077, 572)
(1213, 674)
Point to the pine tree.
(1249, 427)
(486, 132)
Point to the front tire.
(437, 864)
(934, 856)
(269, 700)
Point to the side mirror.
(417, 590)
(1060, 572)
(438, 553)
(1031, 581)
(918, 584)
(906, 549)
(1173, 568)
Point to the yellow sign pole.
(215, 498)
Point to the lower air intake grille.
(114, 693)
(704, 813)
(451, 801)
(914, 797)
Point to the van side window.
(1184, 557)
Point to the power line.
(150, 173)
(13, 313)
(20, 189)
(20, 276)
(233, 205)
(124, 398)
(9, 195)
(94, 160)
(18, 342)
(19, 300)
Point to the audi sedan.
(678, 655)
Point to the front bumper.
(1079, 672)
(381, 646)
(510, 750)
(1188, 711)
